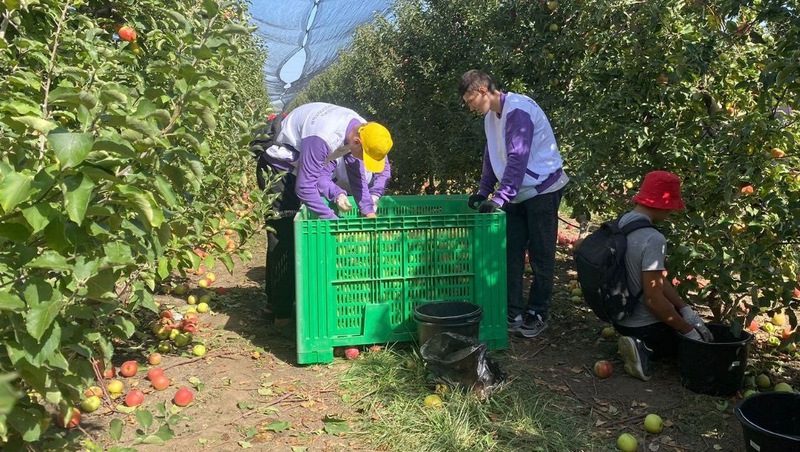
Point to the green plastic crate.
(359, 280)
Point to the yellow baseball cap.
(376, 141)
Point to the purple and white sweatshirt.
(521, 152)
(350, 168)
(315, 130)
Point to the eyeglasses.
(469, 97)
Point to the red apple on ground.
(134, 398)
(183, 396)
(110, 372)
(603, 369)
(160, 382)
(351, 353)
(129, 369)
(93, 391)
(154, 372)
(154, 359)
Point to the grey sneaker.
(532, 325)
(514, 323)
(636, 356)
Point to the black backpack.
(263, 138)
(602, 274)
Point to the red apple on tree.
(127, 34)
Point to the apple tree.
(124, 128)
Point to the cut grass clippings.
(389, 388)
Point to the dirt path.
(253, 396)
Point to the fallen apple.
(183, 396)
(183, 339)
(351, 353)
(154, 359)
(91, 404)
(627, 443)
(180, 289)
(779, 319)
(160, 382)
(109, 373)
(748, 393)
(763, 381)
(211, 277)
(603, 369)
(134, 398)
(205, 299)
(433, 401)
(191, 299)
(653, 423)
(783, 387)
(202, 308)
(93, 391)
(199, 350)
(204, 283)
(154, 372)
(115, 387)
(164, 347)
(608, 332)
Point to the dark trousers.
(532, 226)
(280, 284)
(659, 337)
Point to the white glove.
(375, 199)
(694, 335)
(693, 319)
(343, 203)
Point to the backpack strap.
(635, 225)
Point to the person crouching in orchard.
(522, 155)
(304, 148)
(349, 168)
(649, 332)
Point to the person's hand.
(488, 207)
(693, 334)
(343, 203)
(371, 215)
(375, 199)
(697, 323)
(475, 200)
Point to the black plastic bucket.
(714, 368)
(770, 421)
(459, 317)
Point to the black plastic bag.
(458, 360)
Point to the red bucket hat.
(660, 190)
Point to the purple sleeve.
(380, 180)
(519, 136)
(488, 179)
(358, 184)
(313, 151)
(328, 188)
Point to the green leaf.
(36, 123)
(118, 253)
(50, 259)
(8, 393)
(278, 426)
(14, 189)
(165, 432)
(39, 216)
(126, 326)
(11, 302)
(71, 148)
(115, 429)
(145, 419)
(335, 426)
(236, 29)
(41, 316)
(28, 422)
(165, 189)
(101, 285)
(77, 194)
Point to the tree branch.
(49, 78)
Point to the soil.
(251, 386)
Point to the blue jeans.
(532, 226)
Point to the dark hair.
(474, 79)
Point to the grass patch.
(389, 387)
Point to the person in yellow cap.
(304, 147)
